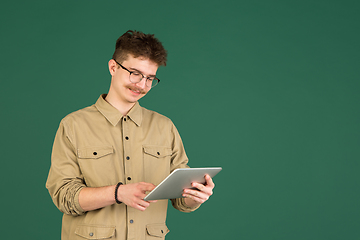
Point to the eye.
(150, 79)
(136, 73)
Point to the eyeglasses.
(136, 77)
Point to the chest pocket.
(156, 231)
(95, 165)
(95, 152)
(157, 161)
(95, 232)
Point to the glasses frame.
(147, 78)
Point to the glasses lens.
(154, 82)
(135, 77)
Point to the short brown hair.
(139, 44)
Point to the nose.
(142, 83)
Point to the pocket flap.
(95, 231)
(156, 151)
(157, 229)
(95, 152)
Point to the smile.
(135, 91)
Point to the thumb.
(147, 186)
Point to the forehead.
(141, 64)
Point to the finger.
(209, 181)
(196, 194)
(142, 195)
(147, 186)
(202, 188)
(195, 198)
(199, 186)
(139, 207)
(142, 205)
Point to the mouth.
(136, 91)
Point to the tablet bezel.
(174, 184)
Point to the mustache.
(142, 91)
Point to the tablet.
(174, 184)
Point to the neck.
(121, 106)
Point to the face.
(121, 89)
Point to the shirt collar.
(113, 115)
(135, 114)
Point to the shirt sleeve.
(65, 179)
(179, 160)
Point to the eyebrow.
(134, 69)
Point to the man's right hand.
(133, 194)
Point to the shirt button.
(125, 119)
(129, 178)
(91, 234)
(127, 138)
(127, 158)
(131, 221)
(95, 153)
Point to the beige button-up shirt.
(97, 146)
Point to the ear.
(112, 66)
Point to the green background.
(269, 90)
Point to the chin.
(134, 100)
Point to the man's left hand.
(201, 194)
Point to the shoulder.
(155, 116)
(156, 121)
(80, 115)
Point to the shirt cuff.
(78, 209)
(180, 204)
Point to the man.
(106, 157)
